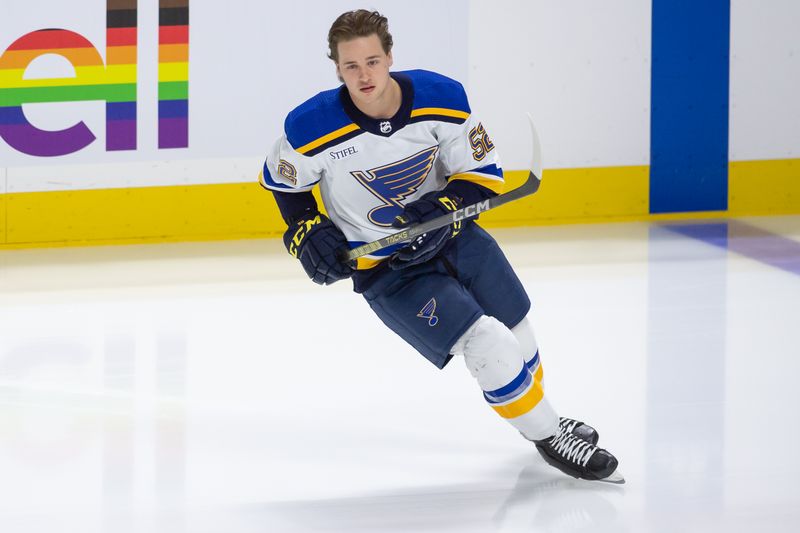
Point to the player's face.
(364, 68)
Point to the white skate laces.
(566, 425)
(572, 448)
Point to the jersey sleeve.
(286, 170)
(468, 154)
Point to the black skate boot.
(578, 458)
(579, 429)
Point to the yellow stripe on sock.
(528, 401)
(521, 406)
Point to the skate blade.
(615, 477)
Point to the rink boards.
(637, 121)
(244, 210)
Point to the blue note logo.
(393, 182)
(428, 311)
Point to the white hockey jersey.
(368, 169)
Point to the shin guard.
(511, 385)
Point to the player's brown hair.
(358, 23)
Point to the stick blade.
(536, 158)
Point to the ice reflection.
(92, 427)
(686, 373)
(540, 500)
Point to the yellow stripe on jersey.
(439, 111)
(528, 401)
(327, 138)
(365, 263)
(494, 185)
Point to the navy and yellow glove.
(316, 242)
(426, 246)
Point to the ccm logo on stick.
(471, 210)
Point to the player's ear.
(390, 60)
(339, 73)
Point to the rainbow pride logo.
(173, 74)
(114, 82)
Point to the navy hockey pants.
(432, 304)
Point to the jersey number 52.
(480, 142)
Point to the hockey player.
(391, 149)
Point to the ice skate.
(578, 458)
(579, 429)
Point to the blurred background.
(128, 121)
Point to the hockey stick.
(530, 186)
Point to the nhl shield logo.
(386, 126)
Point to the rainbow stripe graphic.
(114, 83)
(173, 73)
(121, 58)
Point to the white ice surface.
(209, 387)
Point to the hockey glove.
(315, 241)
(423, 248)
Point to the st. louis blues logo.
(428, 311)
(395, 181)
